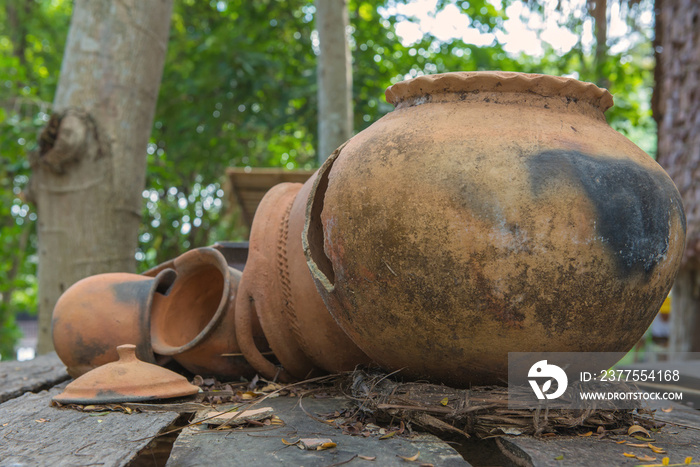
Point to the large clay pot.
(194, 322)
(101, 312)
(492, 213)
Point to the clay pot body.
(194, 321)
(319, 336)
(98, 313)
(278, 292)
(492, 213)
(260, 297)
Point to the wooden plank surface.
(34, 433)
(253, 447)
(17, 378)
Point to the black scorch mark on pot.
(634, 206)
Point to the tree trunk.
(599, 11)
(335, 113)
(89, 173)
(677, 111)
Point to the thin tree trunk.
(89, 173)
(599, 11)
(335, 115)
(685, 303)
(677, 111)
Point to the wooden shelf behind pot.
(249, 185)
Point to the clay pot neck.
(502, 88)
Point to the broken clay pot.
(491, 213)
(278, 290)
(98, 313)
(126, 380)
(319, 336)
(194, 321)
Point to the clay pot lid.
(126, 380)
(499, 81)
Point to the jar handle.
(244, 332)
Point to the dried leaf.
(315, 444)
(41, 420)
(642, 438)
(586, 434)
(288, 443)
(388, 435)
(410, 459)
(620, 442)
(444, 401)
(627, 454)
(667, 410)
(656, 449)
(665, 461)
(637, 429)
(559, 458)
(637, 445)
(688, 460)
(238, 418)
(271, 387)
(367, 458)
(646, 458)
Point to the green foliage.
(32, 36)
(239, 89)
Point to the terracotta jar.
(260, 299)
(194, 321)
(100, 312)
(319, 336)
(491, 213)
(278, 292)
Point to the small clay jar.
(194, 321)
(490, 213)
(98, 313)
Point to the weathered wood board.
(680, 441)
(34, 433)
(17, 378)
(248, 186)
(196, 445)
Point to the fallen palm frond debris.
(478, 411)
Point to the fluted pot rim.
(406, 92)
